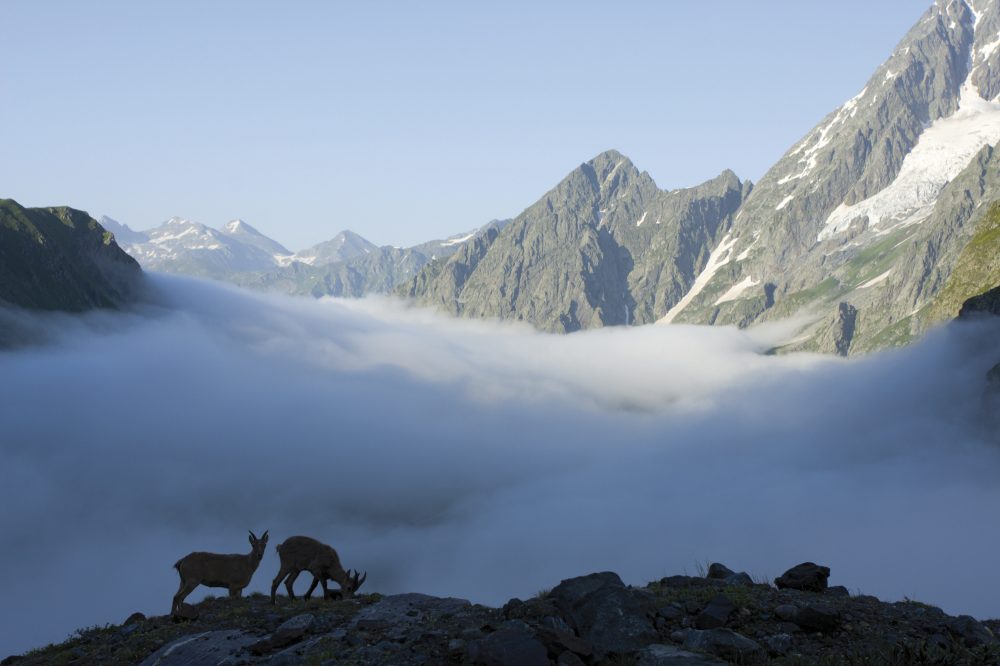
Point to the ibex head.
(353, 582)
(258, 545)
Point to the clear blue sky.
(406, 121)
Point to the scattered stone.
(678, 636)
(807, 576)
(719, 571)
(816, 617)
(837, 591)
(716, 613)
(669, 655)
(509, 646)
(604, 612)
(726, 644)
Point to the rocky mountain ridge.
(722, 617)
(60, 258)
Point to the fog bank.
(478, 459)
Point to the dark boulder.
(807, 576)
(719, 571)
(604, 612)
(509, 646)
(726, 644)
(971, 631)
(670, 655)
(133, 619)
(716, 613)
(816, 617)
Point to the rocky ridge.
(724, 617)
(61, 259)
(604, 247)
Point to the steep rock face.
(873, 207)
(61, 259)
(605, 246)
(977, 268)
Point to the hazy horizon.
(406, 123)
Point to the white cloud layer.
(478, 459)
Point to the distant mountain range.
(346, 265)
(873, 227)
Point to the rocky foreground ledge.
(721, 618)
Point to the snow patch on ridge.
(719, 258)
(824, 137)
(737, 290)
(642, 219)
(876, 280)
(942, 151)
(456, 241)
(784, 202)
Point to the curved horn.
(265, 534)
(254, 536)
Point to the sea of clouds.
(478, 459)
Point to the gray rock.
(604, 612)
(567, 658)
(786, 612)
(726, 644)
(185, 612)
(672, 612)
(210, 647)
(741, 578)
(294, 629)
(134, 618)
(719, 571)
(670, 655)
(806, 576)
(716, 613)
(780, 644)
(405, 609)
(509, 646)
(837, 591)
(816, 617)
(971, 631)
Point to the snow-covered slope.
(868, 213)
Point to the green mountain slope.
(61, 259)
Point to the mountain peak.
(238, 226)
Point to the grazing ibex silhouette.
(213, 570)
(301, 553)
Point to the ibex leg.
(291, 581)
